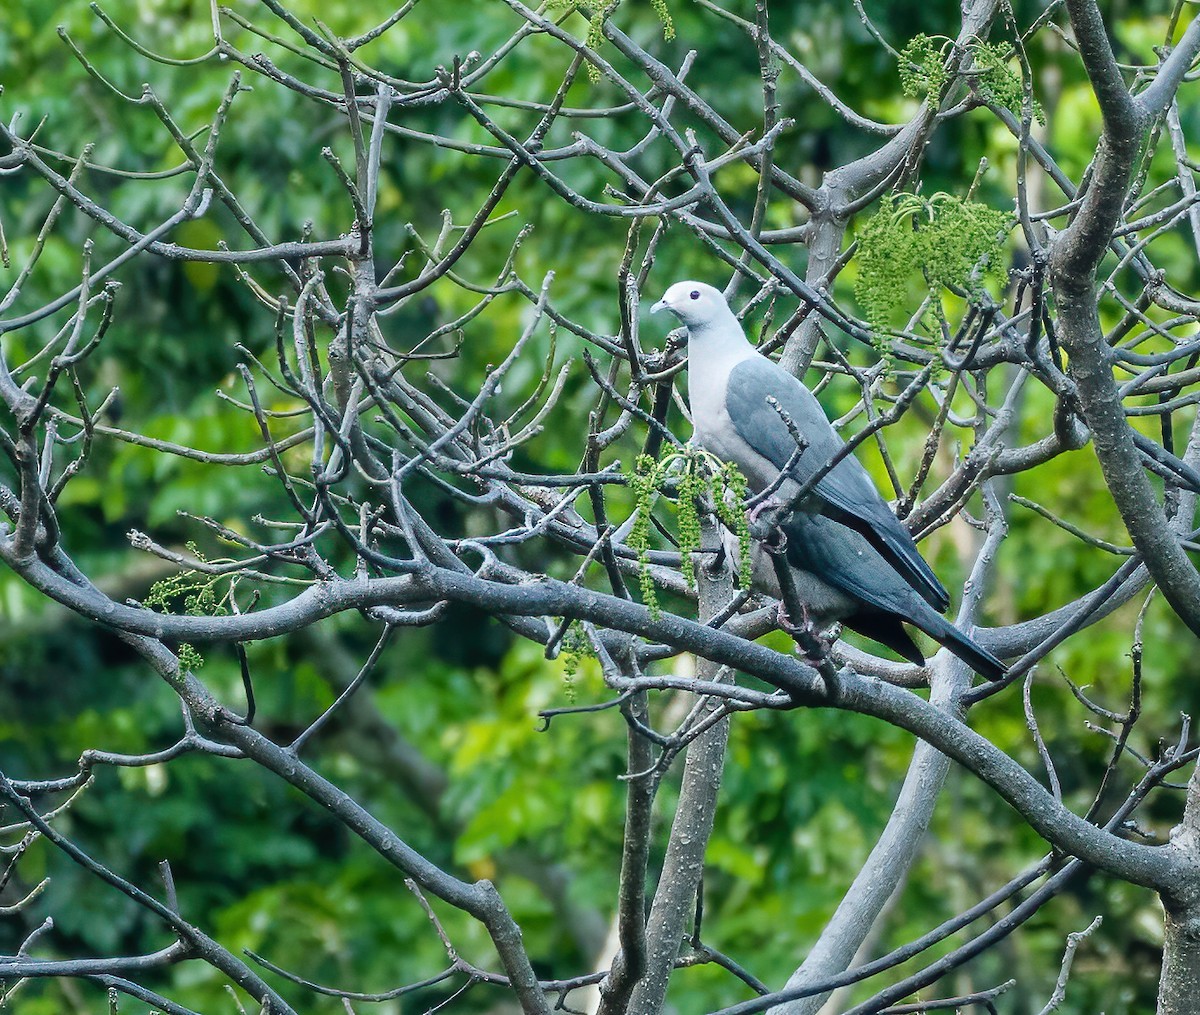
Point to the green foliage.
(700, 481)
(575, 648)
(923, 72)
(202, 597)
(922, 67)
(953, 243)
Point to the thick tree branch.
(1143, 865)
(1074, 258)
(683, 867)
(1179, 984)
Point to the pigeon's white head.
(696, 304)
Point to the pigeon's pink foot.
(785, 621)
(767, 504)
(809, 643)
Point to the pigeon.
(849, 557)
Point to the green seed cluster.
(189, 659)
(699, 482)
(998, 82)
(693, 485)
(729, 510)
(199, 593)
(952, 242)
(660, 9)
(575, 647)
(643, 482)
(595, 35)
(923, 67)
(923, 71)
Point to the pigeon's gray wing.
(846, 493)
(842, 558)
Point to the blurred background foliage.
(444, 745)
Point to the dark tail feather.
(886, 629)
(969, 651)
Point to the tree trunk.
(1179, 987)
(683, 868)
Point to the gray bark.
(890, 859)
(675, 900)
(1179, 984)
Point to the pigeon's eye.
(695, 294)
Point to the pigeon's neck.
(713, 354)
(720, 341)
(713, 351)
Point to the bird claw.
(785, 621)
(767, 504)
(809, 642)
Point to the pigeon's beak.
(660, 305)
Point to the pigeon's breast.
(714, 430)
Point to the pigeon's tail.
(967, 649)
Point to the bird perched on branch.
(843, 556)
